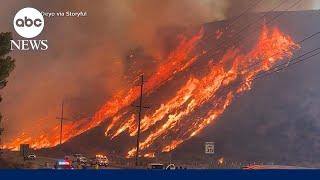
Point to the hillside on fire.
(251, 86)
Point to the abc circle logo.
(28, 22)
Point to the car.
(155, 166)
(63, 164)
(30, 156)
(75, 158)
(100, 160)
(171, 167)
(82, 160)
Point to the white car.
(30, 156)
(100, 160)
(82, 160)
(74, 158)
(171, 167)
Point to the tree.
(7, 64)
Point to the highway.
(39, 163)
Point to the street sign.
(209, 147)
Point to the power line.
(300, 42)
(238, 38)
(287, 9)
(232, 21)
(269, 21)
(221, 45)
(247, 10)
(285, 65)
(309, 37)
(292, 61)
(283, 12)
(261, 17)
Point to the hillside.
(276, 121)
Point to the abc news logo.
(29, 23)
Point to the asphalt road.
(39, 163)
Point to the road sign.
(209, 147)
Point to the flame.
(149, 155)
(181, 116)
(178, 60)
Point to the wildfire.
(178, 60)
(181, 116)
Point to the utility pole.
(170, 160)
(61, 118)
(1, 130)
(139, 120)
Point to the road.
(39, 163)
